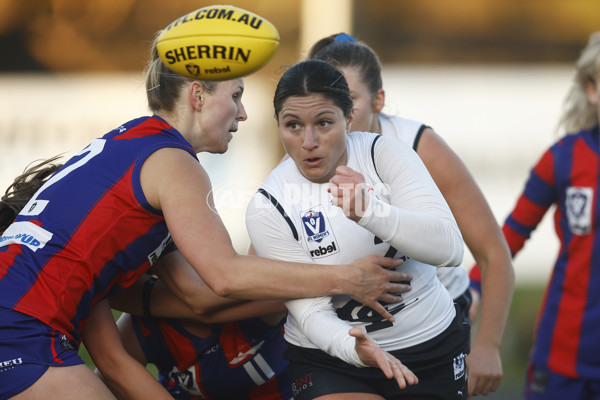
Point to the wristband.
(147, 291)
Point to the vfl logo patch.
(579, 209)
(459, 366)
(187, 380)
(314, 226)
(319, 238)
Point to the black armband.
(146, 293)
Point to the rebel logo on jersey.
(319, 237)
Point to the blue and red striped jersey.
(567, 176)
(240, 360)
(89, 231)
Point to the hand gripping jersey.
(293, 219)
(240, 360)
(568, 176)
(456, 280)
(88, 231)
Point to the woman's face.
(313, 132)
(363, 114)
(221, 111)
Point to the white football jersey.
(294, 219)
(456, 280)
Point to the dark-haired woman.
(340, 196)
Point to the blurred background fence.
(488, 76)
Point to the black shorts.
(439, 363)
(464, 302)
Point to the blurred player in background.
(565, 361)
(481, 233)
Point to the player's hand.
(369, 282)
(484, 369)
(372, 355)
(349, 192)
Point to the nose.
(310, 139)
(242, 116)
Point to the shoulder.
(285, 172)
(404, 128)
(361, 139)
(272, 192)
(567, 142)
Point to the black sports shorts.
(439, 363)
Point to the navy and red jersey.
(89, 231)
(240, 360)
(568, 326)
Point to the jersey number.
(353, 311)
(35, 206)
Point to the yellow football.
(217, 42)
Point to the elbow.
(223, 287)
(456, 252)
(107, 367)
(457, 259)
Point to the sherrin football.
(217, 42)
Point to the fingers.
(387, 262)
(343, 173)
(358, 333)
(394, 369)
(403, 375)
(381, 310)
(483, 385)
(484, 368)
(390, 298)
(371, 354)
(397, 288)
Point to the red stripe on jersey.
(267, 391)
(527, 212)
(143, 328)
(567, 331)
(180, 347)
(236, 347)
(116, 220)
(12, 251)
(146, 128)
(475, 273)
(514, 240)
(544, 168)
(198, 377)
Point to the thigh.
(542, 384)
(67, 383)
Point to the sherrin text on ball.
(217, 43)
